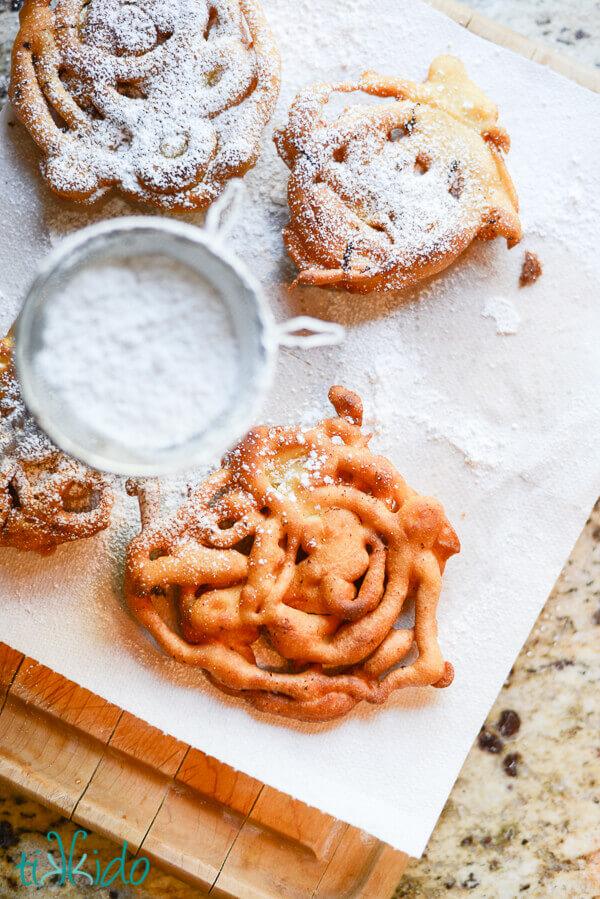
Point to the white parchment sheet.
(484, 395)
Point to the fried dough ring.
(391, 193)
(306, 546)
(165, 101)
(46, 498)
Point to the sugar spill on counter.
(141, 350)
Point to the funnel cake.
(165, 99)
(283, 573)
(388, 194)
(46, 498)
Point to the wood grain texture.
(147, 744)
(10, 661)
(288, 849)
(38, 686)
(283, 849)
(129, 785)
(216, 827)
(454, 10)
(296, 821)
(219, 782)
(52, 735)
(200, 818)
(361, 867)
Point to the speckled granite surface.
(524, 816)
(570, 26)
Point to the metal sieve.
(257, 335)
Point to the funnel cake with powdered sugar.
(283, 574)
(165, 99)
(46, 497)
(392, 192)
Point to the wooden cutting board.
(216, 828)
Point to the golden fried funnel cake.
(46, 498)
(283, 573)
(166, 99)
(390, 193)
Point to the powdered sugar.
(165, 99)
(504, 313)
(414, 206)
(19, 434)
(141, 351)
(434, 377)
(395, 188)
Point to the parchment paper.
(502, 427)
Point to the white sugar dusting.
(419, 209)
(142, 351)
(504, 313)
(19, 434)
(169, 98)
(392, 376)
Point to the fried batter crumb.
(531, 270)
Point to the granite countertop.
(524, 815)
